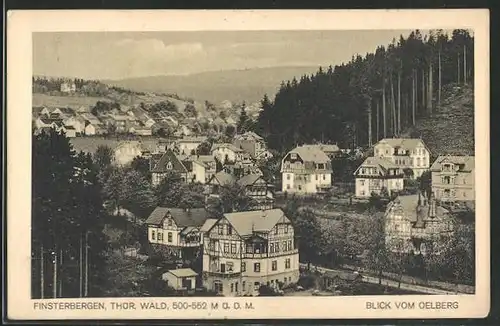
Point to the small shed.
(181, 279)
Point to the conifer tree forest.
(68, 244)
(370, 97)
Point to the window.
(387, 151)
(226, 248)
(277, 246)
(229, 267)
(169, 222)
(316, 177)
(220, 229)
(243, 268)
(229, 230)
(286, 228)
(169, 166)
(236, 287)
(169, 239)
(293, 156)
(243, 285)
(271, 248)
(256, 267)
(300, 187)
(153, 235)
(274, 265)
(232, 287)
(249, 248)
(288, 176)
(233, 248)
(362, 192)
(362, 182)
(276, 229)
(285, 246)
(160, 236)
(287, 263)
(418, 161)
(287, 186)
(290, 245)
(324, 176)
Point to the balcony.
(304, 171)
(190, 244)
(226, 274)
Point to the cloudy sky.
(117, 55)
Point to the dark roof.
(182, 217)
(465, 163)
(224, 178)
(169, 156)
(249, 179)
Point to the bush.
(307, 281)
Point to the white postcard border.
(20, 25)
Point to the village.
(255, 245)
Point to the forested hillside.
(379, 95)
(450, 129)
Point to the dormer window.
(169, 166)
(293, 156)
(169, 222)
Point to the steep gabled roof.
(467, 162)
(208, 224)
(194, 217)
(169, 157)
(406, 143)
(249, 179)
(311, 153)
(245, 223)
(224, 178)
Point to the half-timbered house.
(244, 250)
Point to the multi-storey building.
(375, 174)
(244, 250)
(415, 223)
(411, 154)
(189, 145)
(306, 169)
(190, 168)
(226, 153)
(176, 231)
(253, 144)
(453, 178)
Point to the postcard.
(248, 164)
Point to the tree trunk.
(465, 65)
(81, 265)
(384, 118)
(423, 91)
(399, 101)
(429, 97)
(458, 68)
(54, 281)
(413, 102)
(393, 102)
(439, 78)
(378, 123)
(86, 289)
(61, 272)
(42, 276)
(369, 122)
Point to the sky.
(120, 55)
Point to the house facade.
(414, 223)
(168, 162)
(306, 169)
(259, 190)
(408, 153)
(176, 231)
(453, 178)
(251, 143)
(376, 174)
(188, 145)
(227, 152)
(244, 250)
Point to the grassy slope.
(450, 129)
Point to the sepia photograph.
(336, 163)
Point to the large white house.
(306, 169)
(376, 174)
(244, 250)
(408, 153)
(226, 152)
(189, 145)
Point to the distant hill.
(450, 129)
(234, 85)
